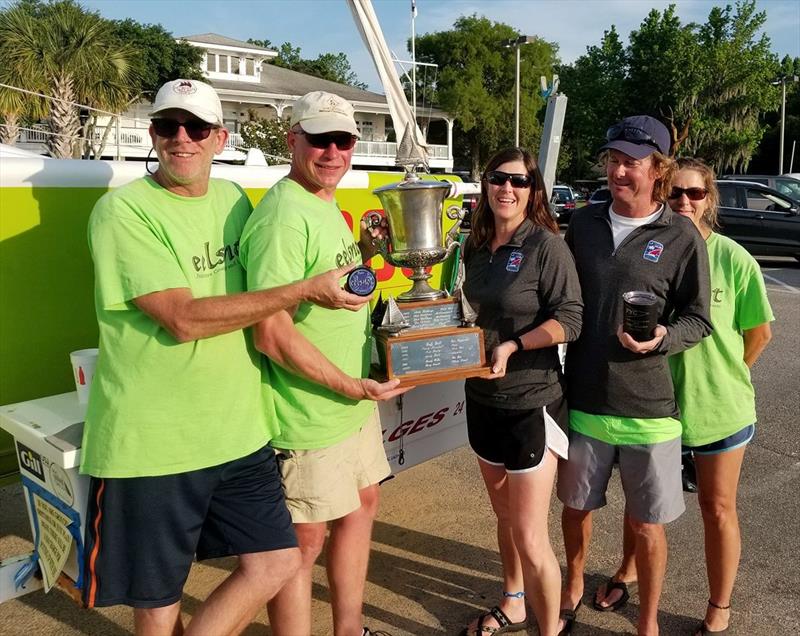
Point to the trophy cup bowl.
(413, 211)
(427, 336)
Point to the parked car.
(788, 185)
(601, 195)
(764, 221)
(564, 201)
(469, 203)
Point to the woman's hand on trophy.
(326, 290)
(500, 356)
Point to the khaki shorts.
(650, 474)
(322, 484)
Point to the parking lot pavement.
(435, 563)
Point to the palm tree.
(69, 53)
(15, 107)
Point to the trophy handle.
(451, 239)
(373, 219)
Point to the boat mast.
(413, 59)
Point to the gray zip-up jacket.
(529, 280)
(668, 258)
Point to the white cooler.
(47, 436)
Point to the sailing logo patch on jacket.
(653, 251)
(514, 261)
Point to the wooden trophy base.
(427, 356)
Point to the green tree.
(269, 136)
(765, 160)
(739, 67)
(710, 83)
(665, 72)
(61, 49)
(594, 85)
(330, 66)
(476, 82)
(17, 107)
(157, 58)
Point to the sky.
(327, 26)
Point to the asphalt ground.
(434, 556)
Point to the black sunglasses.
(694, 194)
(498, 178)
(196, 129)
(632, 134)
(343, 140)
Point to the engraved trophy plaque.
(425, 335)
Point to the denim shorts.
(737, 440)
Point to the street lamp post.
(782, 81)
(517, 42)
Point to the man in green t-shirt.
(177, 424)
(330, 445)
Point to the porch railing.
(136, 142)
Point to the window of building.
(250, 66)
(234, 65)
(211, 62)
(367, 129)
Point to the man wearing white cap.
(177, 429)
(330, 448)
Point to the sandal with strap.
(568, 616)
(505, 624)
(703, 629)
(612, 585)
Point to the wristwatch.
(518, 341)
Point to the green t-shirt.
(712, 382)
(159, 407)
(616, 430)
(294, 235)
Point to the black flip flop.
(568, 616)
(504, 622)
(612, 585)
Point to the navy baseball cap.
(638, 136)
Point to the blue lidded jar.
(361, 281)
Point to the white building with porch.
(250, 86)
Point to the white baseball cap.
(320, 112)
(192, 96)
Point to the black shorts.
(514, 438)
(142, 533)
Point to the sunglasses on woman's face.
(343, 140)
(694, 194)
(196, 129)
(499, 178)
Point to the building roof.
(215, 38)
(282, 81)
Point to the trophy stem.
(421, 290)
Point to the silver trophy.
(413, 210)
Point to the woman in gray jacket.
(521, 280)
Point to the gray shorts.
(650, 474)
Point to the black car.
(762, 220)
(784, 184)
(601, 195)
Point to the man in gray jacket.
(621, 399)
